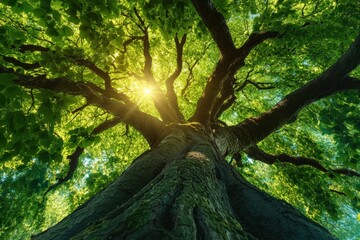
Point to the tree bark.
(184, 189)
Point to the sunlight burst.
(147, 91)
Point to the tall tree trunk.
(184, 189)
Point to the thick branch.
(232, 59)
(224, 73)
(91, 66)
(333, 80)
(148, 59)
(225, 69)
(171, 79)
(227, 96)
(346, 171)
(82, 62)
(111, 93)
(162, 104)
(26, 66)
(256, 153)
(254, 40)
(216, 24)
(129, 41)
(146, 50)
(32, 48)
(149, 126)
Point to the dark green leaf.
(7, 79)
(39, 12)
(44, 156)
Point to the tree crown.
(88, 85)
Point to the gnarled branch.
(32, 48)
(254, 40)
(227, 95)
(232, 59)
(257, 154)
(74, 157)
(190, 76)
(79, 61)
(162, 104)
(74, 161)
(216, 24)
(171, 95)
(146, 49)
(226, 99)
(99, 72)
(224, 73)
(333, 80)
(129, 41)
(26, 66)
(150, 127)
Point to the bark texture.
(184, 189)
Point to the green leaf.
(7, 156)
(39, 12)
(74, 19)
(56, 15)
(3, 140)
(67, 31)
(11, 3)
(31, 148)
(34, 183)
(349, 193)
(55, 4)
(46, 110)
(73, 141)
(44, 156)
(19, 120)
(57, 157)
(86, 142)
(51, 31)
(13, 91)
(7, 79)
(84, 31)
(351, 163)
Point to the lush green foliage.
(39, 129)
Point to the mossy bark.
(184, 189)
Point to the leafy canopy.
(102, 43)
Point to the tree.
(253, 104)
